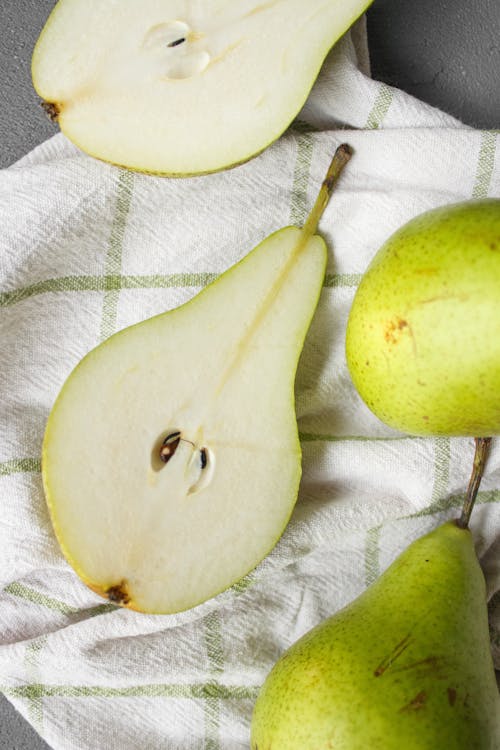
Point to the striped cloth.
(87, 249)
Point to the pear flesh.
(423, 335)
(177, 87)
(406, 665)
(171, 459)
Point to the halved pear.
(171, 460)
(178, 87)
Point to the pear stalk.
(339, 160)
(480, 457)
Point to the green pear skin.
(423, 336)
(406, 666)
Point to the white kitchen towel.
(86, 249)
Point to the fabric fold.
(87, 249)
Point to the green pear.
(171, 460)
(423, 336)
(180, 88)
(406, 666)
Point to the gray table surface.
(446, 52)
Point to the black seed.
(172, 438)
(203, 457)
(176, 42)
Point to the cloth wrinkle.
(76, 253)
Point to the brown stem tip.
(342, 156)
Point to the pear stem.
(340, 159)
(480, 456)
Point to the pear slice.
(171, 460)
(178, 87)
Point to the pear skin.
(406, 666)
(423, 336)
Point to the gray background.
(446, 52)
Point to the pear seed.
(176, 42)
(169, 446)
(203, 458)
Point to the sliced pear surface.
(171, 460)
(179, 87)
(218, 374)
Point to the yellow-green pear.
(177, 87)
(171, 460)
(423, 336)
(406, 666)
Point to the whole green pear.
(406, 666)
(423, 336)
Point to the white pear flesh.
(163, 537)
(178, 87)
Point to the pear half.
(178, 87)
(171, 460)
